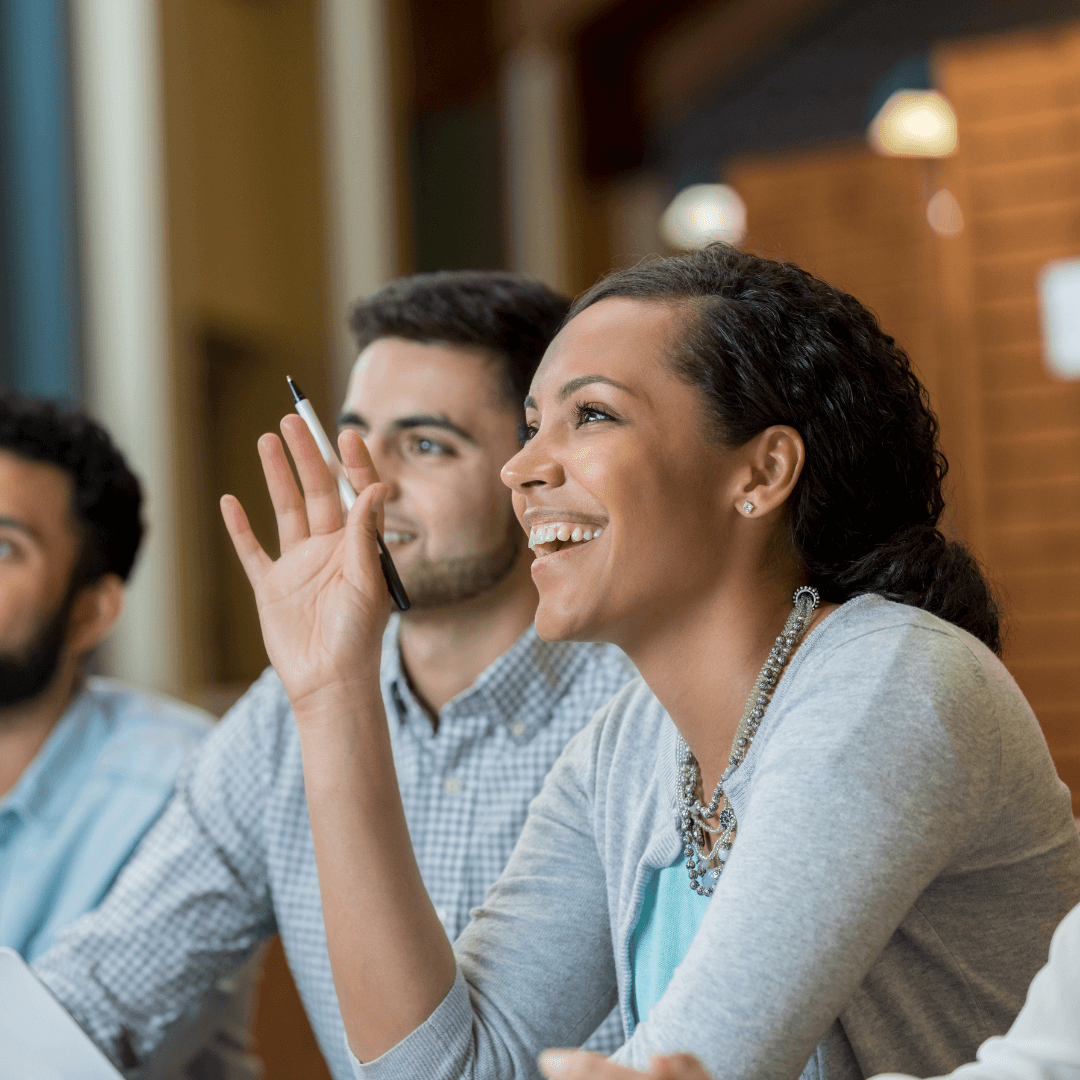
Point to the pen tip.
(297, 393)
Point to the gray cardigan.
(905, 851)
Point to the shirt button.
(518, 728)
(451, 785)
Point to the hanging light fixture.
(914, 123)
(943, 213)
(702, 213)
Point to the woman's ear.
(775, 461)
(94, 613)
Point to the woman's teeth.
(392, 536)
(563, 532)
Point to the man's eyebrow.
(20, 526)
(404, 423)
(433, 420)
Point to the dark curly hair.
(768, 343)
(106, 500)
(509, 316)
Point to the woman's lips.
(545, 550)
(552, 535)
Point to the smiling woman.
(821, 835)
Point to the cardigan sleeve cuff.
(437, 1049)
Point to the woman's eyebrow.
(573, 385)
(576, 384)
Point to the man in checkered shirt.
(478, 706)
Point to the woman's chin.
(559, 622)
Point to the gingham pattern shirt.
(231, 861)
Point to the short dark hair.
(106, 498)
(766, 343)
(509, 316)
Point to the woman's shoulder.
(900, 677)
(876, 634)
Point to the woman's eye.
(7, 549)
(590, 414)
(525, 432)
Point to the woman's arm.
(536, 965)
(323, 606)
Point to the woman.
(826, 841)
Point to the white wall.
(121, 195)
(360, 165)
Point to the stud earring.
(748, 507)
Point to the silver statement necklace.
(703, 861)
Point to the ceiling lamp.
(943, 213)
(1059, 316)
(702, 213)
(914, 123)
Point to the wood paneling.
(966, 310)
(283, 1037)
(1018, 104)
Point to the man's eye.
(7, 549)
(429, 447)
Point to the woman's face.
(615, 443)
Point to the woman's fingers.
(584, 1065)
(320, 487)
(677, 1067)
(359, 467)
(254, 560)
(289, 509)
(361, 542)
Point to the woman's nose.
(531, 467)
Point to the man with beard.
(86, 765)
(478, 706)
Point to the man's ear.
(95, 612)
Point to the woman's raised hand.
(323, 605)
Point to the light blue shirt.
(671, 914)
(78, 811)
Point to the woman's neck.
(701, 663)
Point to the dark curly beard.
(25, 675)
(440, 583)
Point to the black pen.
(348, 496)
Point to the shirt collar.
(58, 757)
(520, 686)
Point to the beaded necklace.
(693, 815)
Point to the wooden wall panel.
(966, 310)
(1018, 105)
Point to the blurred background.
(193, 191)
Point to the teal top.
(670, 916)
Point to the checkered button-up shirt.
(231, 861)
